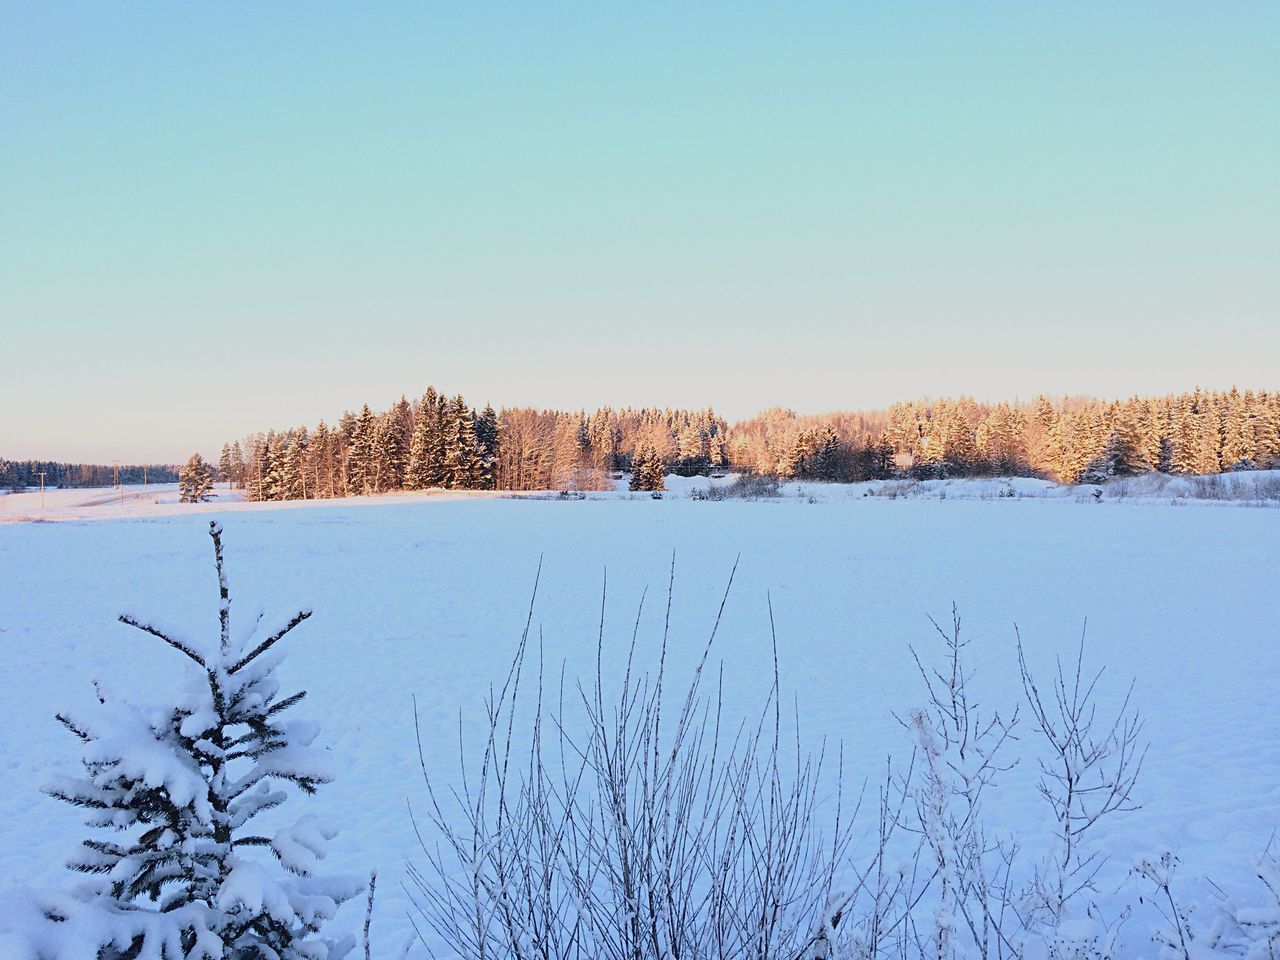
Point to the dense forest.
(440, 441)
(17, 475)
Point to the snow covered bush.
(963, 753)
(1227, 929)
(171, 790)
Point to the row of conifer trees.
(21, 474)
(443, 442)
(439, 442)
(1070, 439)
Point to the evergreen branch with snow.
(160, 634)
(177, 784)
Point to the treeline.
(20, 474)
(444, 442)
(1070, 440)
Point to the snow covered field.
(425, 596)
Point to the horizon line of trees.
(21, 474)
(442, 442)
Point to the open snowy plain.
(425, 597)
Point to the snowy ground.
(425, 596)
(1254, 488)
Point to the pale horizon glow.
(222, 219)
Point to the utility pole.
(115, 475)
(144, 474)
(41, 489)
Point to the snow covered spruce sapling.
(175, 787)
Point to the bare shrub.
(744, 487)
(631, 823)
(1230, 930)
(1089, 774)
(895, 489)
(628, 827)
(963, 753)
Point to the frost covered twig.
(1091, 772)
(622, 829)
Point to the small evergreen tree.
(195, 481)
(648, 472)
(176, 787)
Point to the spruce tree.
(237, 464)
(171, 791)
(393, 446)
(826, 460)
(416, 473)
(195, 481)
(486, 434)
(959, 445)
(460, 453)
(648, 471)
(1123, 454)
(437, 471)
(361, 454)
(293, 469)
(321, 460)
(224, 464)
(277, 482)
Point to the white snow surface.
(425, 596)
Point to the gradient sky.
(217, 218)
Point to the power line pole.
(41, 489)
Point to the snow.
(425, 596)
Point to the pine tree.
(176, 786)
(195, 481)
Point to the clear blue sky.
(216, 218)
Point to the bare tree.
(1090, 774)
